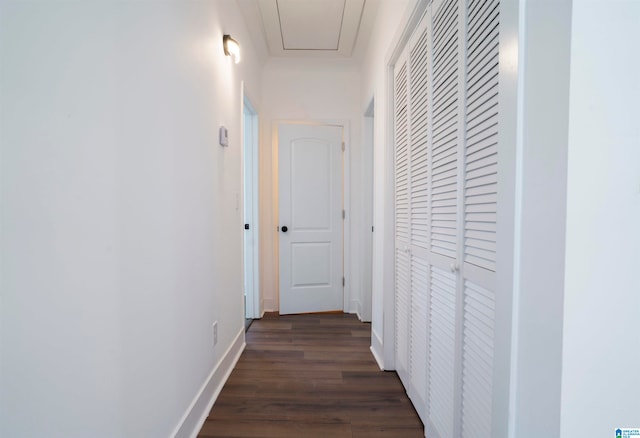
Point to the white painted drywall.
(121, 232)
(307, 90)
(601, 343)
(544, 44)
(391, 19)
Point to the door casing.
(250, 140)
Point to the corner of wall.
(270, 305)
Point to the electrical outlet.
(215, 333)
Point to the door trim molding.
(365, 295)
(245, 99)
(346, 188)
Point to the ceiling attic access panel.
(311, 27)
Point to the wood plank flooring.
(311, 376)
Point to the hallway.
(311, 375)
(489, 209)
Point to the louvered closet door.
(402, 231)
(480, 209)
(420, 107)
(446, 130)
(444, 231)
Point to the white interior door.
(311, 219)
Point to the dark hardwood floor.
(311, 376)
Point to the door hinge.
(344, 214)
(342, 281)
(343, 147)
(372, 228)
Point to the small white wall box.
(224, 136)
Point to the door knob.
(284, 228)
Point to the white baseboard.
(192, 421)
(376, 349)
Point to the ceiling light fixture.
(231, 48)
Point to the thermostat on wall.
(224, 136)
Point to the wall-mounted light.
(231, 48)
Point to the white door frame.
(346, 234)
(253, 309)
(368, 154)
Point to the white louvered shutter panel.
(420, 110)
(403, 309)
(419, 65)
(419, 319)
(477, 361)
(445, 139)
(481, 154)
(480, 209)
(402, 155)
(446, 111)
(442, 345)
(402, 259)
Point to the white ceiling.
(304, 28)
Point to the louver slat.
(445, 130)
(481, 134)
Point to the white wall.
(541, 153)
(309, 90)
(601, 343)
(121, 232)
(390, 21)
